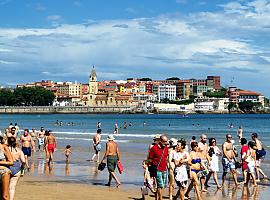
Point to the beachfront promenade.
(61, 109)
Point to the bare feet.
(118, 185)
(204, 190)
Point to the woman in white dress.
(213, 152)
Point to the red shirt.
(155, 155)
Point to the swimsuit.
(111, 162)
(26, 151)
(51, 148)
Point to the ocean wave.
(116, 135)
(86, 139)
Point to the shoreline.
(105, 110)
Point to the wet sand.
(45, 188)
(33, 188)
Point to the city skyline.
(42, 40)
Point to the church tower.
(93, 84)
(93, 87)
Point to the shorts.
(228, 165)
(251, 166)
(182, 184)
(111, 163)
(40, 141)
(26, 151)
(51, 148)
(161, 179)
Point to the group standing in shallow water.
(172, 160)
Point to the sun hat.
(173, 142)
(157, 136)
(110, 137)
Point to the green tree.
(231, 106)
(172, 78)
(145, 79)
(26, 96)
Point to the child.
(148, 181)
(67, 152)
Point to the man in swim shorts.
(112, 154)
(228, 159)
(50, 146)
(27, 146)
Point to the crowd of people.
(191, 164)
(15, 150)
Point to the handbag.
(144, 190)
(120, 167)
(101, 166)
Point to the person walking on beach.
(27, 146)
(196, 170)
(213, 153)
(158, 157)
(50, 146)
(228, 160)
(171, 166)
(6, 160)
(243, 154)
(113, 156)
(203, 151)
(260, 154)
(41, 135)
(180, 159)
(251, 161)
(97, 145)
(147, 180)
(18, 163)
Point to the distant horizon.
(45, 39)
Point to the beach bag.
(260, 153)
(120, 167)
(15, 168)
(101, 166)
(98, 147)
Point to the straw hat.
(110, 137)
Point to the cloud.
(7, 62)
(121, 26)
(54, 17)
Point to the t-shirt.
(155, 155)
(244, 149)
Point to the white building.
(167, 92)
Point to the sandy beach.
(43, 189)
(35, 188)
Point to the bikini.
(195, 161)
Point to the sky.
(61, 40)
